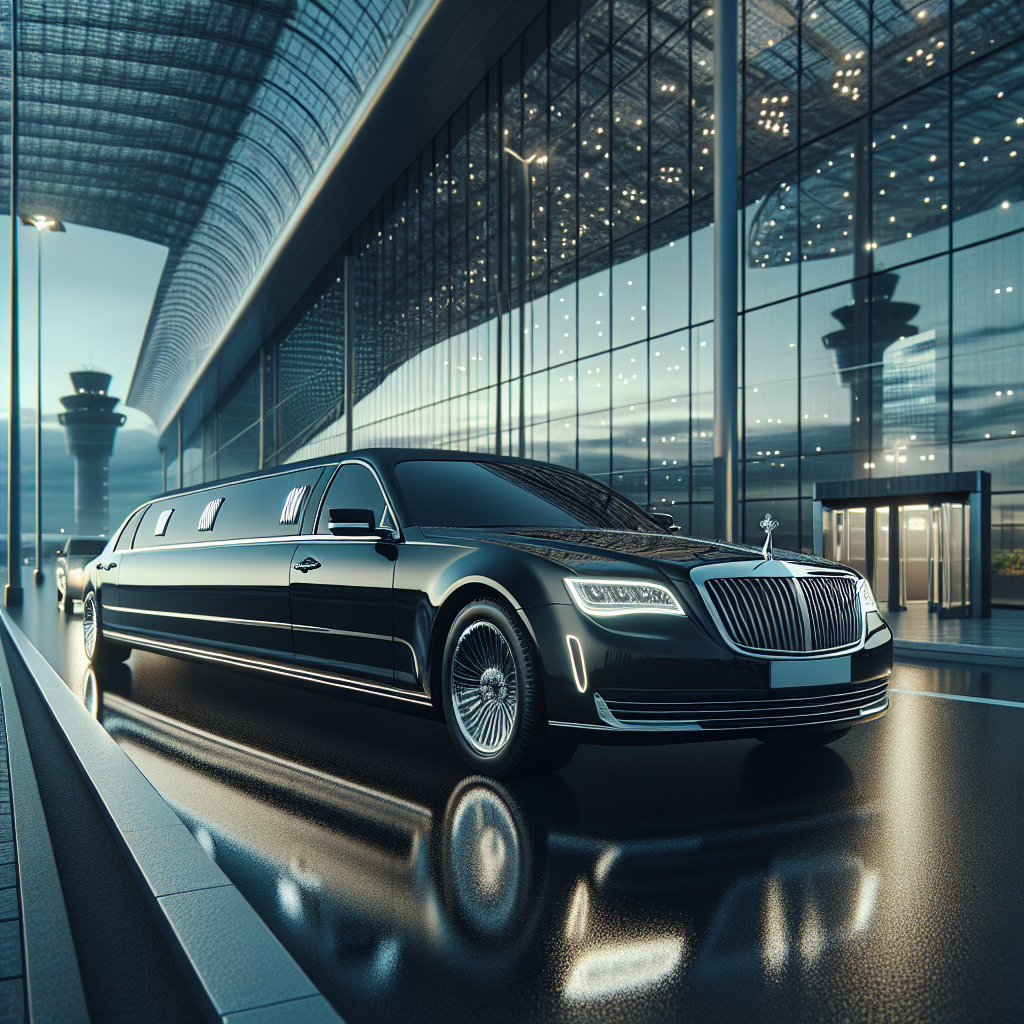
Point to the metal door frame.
(973, 489)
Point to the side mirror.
(353, 522)
(665, 519)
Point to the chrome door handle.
(103, 568)
(306, 565)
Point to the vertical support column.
(263, 404)
(817, 509)
(860, 380)
(895, 565)
(181, 456)
(13, 594)
(520, 215)
(37, 576)
(348, 276)
(726, 68)
(981, 547)
(163, 469)
(869, 544)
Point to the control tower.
(90, 424)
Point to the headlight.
(867, 599)
(621, 597)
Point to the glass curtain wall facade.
(540, 280)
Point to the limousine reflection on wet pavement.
(492, 895)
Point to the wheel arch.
(465, 592)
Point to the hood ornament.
(768, 524)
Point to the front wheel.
(493, 702)
(65, 604)
(98, 649)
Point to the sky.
(97, 292)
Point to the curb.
(53, 982)
(1006, 657)
(235, 966)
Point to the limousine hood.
(589, 551)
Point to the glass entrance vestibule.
(915, 539)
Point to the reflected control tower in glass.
(90, 425)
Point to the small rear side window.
(161, 523)
(291, 508)
(208, 519)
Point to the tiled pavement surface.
(12, 968)
(1004, 629)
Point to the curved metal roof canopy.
(196, 124)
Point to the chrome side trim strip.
(339, 632)
(582, 725)
(259, 665)
(202, 618)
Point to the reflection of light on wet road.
(578, 918)
(622, 969)
(775, 944)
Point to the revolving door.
(912, 544)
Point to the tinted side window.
(124, 538)
(251, 508)
(354, 486)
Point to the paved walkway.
(918, 631)
(12, 969)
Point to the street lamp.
(41, 224)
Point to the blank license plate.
(810, 672)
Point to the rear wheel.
(795, 739)
(98, 649)
(493, 702)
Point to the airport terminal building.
(503, 242)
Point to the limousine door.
(211, 569)
(341, 589)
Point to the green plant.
(1008, 563)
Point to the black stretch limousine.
(529, 605)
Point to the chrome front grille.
(787, 615)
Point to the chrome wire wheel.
(89, 625)
(484, 687)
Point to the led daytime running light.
(622, 597)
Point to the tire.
(99, 650)
(65, 605)
(493, 703)
(797, 739)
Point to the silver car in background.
(72, 559)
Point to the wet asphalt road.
(878, 879)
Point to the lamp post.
(41, 224)
(13, 594)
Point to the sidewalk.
(920, 634)
(12, 966)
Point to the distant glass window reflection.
(491, 495)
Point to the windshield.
(86, 547)
(493, 495)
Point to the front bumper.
(665, 678)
